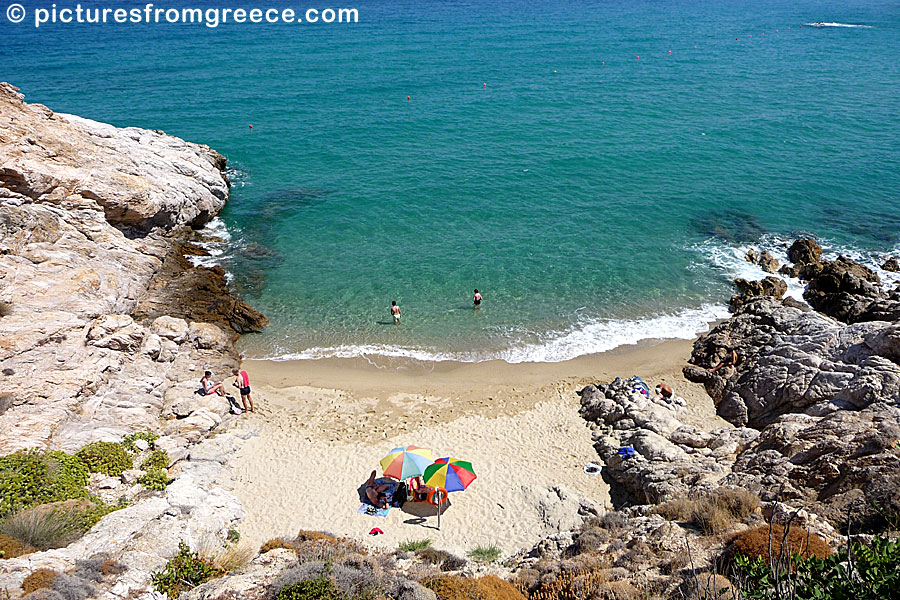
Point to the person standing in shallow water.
(395, 312)
(476, 299)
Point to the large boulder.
(850, 292)
(804, 252)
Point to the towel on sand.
(372, 511)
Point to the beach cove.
(322, 425)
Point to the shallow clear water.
(593, 204)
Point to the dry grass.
(582, 584)
(489, 587)
(10, 547)
(44, 528)
(233, 557)
(714, 513)
(756, 542)
(307, 536)
(325, 548)
(42, 578)
(707, 586)
(276, 543)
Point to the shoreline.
(381, 377)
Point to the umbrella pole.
(439, 517)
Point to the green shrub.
(873, 573)
(32, 477)
(156, 479)
(234, 536)
(185, 571)
(147, 436)
(320, 588)
(413, 545)
(105, 457)
(90, 516)
(158, 459)
(485, 554)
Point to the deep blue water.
(595, 198)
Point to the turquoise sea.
(594, 197)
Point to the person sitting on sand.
(210, 387)
(664, 391)
(395, 312)
(418, 489)
(375, 492)
(731, 359)
(477, 298)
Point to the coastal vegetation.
(184, 571)
(485, 554)
(413, 545)
(110, 458)
(46, 499)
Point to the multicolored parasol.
(403, 463)
(452, 474)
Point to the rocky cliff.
(94, 344)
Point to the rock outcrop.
(80, 352)
(815, 404)
(649, 451)
(138, 178)
(93, 343)
(792, 360)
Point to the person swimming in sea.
(476, 299)
(395, 312)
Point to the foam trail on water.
(823, 24)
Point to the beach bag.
(399, 496)
(233, 406)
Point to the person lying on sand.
(210, 387)
(665, 391)
(375, 492)
(731, 359)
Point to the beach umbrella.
(406, 462)
(451, 474)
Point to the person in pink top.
(242, 382)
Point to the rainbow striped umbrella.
(403, 463)
(452, 474)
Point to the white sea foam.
(218, 241)
(588, 337)
(823, 24)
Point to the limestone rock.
(170, 328)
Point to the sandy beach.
(323, 426)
